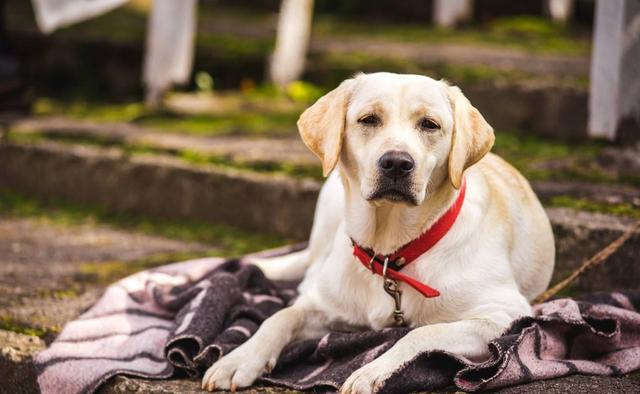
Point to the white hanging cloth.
(170, 46)
(53, 14)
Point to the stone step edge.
(167, 188)
(50, 169)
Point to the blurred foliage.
(303, 92)
(224, 240)
(100, 59)
(526, 33)
(95, 111)
(245, 119)
(331, 69)
(231, 46)
(233, 124)
(204, 81)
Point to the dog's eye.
(369, 120)
(427, 124)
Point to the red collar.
(411, 251)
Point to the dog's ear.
(322, 126)
(472, 136)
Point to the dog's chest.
(355, 296)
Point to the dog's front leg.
(468, 338)
(259, 354)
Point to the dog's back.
(531, 237)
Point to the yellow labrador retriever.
(418, 225)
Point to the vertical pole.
(560, 10)
(447, 13)
(614, 97)
(170, 47)
(292, 40)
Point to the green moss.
(510, 145)
(247, 123)
(531, 155)
(333, 68)
(188, 155)
(70, 290)
(95, 111)
(295, 170)
(593, 206)
(27, 138)
(531, 34)
(106, 272)
(224, 240)
(9, 324)
(239, 121)
(231, 46)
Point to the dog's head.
(394, 134)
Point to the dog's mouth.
(393, 195)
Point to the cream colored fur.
(497, 257)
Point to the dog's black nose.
(395, 164)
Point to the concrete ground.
(51, 272)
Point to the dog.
(410, 182)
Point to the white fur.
(498, 255)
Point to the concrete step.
(288, 155)
(168, 188)
(239, 149)
(163, 187)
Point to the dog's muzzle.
(395, 180)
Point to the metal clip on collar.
(391, 287)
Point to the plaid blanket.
(184, 316)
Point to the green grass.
(188, 155)
(9, 324)
(93, 111)
(107, 272)
(232, 124)
(593, 206)
(224, 240)
(526, 33)
(249, 116)
(331, 69)
(232, 47)
(295, 170)
(529, 154)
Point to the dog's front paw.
(368, 379)
(240, 368)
